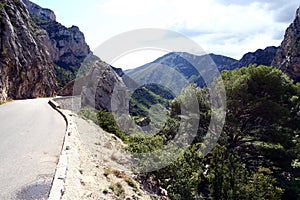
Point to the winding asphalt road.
(31, 137)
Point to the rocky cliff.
(68, 48)
(26, 67)
(100, 88)
(288, 55)
(42, 13)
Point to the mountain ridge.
(259, 57)
(205, 65)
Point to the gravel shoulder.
(95, 168)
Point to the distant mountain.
(259, 57)
(183, 68)
(222, 62)
(176, 70)
(26, 68)
(288, 55)
(67, 46)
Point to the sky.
(227, 27)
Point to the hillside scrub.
(256, 153)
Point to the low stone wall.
(72, 103)
(58, 183)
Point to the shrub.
(107, 121)
(89, 113)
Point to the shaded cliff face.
(68, 48)
(26, 68)
(288, 56)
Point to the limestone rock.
(42, 13)
(67, 46)
(288, 56)
(26, 67)
(101, 89)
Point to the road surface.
(31, 137)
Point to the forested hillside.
(257, 154)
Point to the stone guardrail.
(58, 183)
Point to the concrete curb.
(58, 183)
(53, 104)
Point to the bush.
(89, 113)
(103, 119)
(107, 121)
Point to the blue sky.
(227, 27)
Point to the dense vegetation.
(67, 73)
(143, 98)
(64, 76)
(257, 155)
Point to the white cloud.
(232, 28)
(228, 27)
(131, 7)
(137, 58)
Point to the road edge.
(58, 183)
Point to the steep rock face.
(259, 57)
(42, 13)
(101, 89)
(26, 68)
(68, 48)
(288, 56)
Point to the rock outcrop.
(42, 13)
(68, 48)
(26, 67)
(101, 89)
(288, 55)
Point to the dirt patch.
(95, 168)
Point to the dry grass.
(130, 181)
